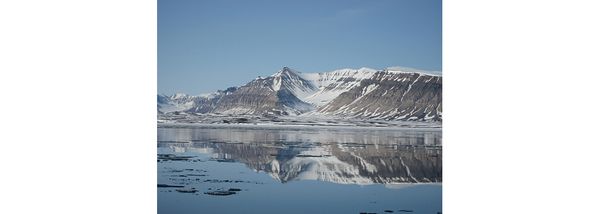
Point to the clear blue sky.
(206, 45)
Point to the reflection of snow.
(317, 164)
(408, 185)
(328, 169)
(189, 149)
(369, 167)
(345, 156)
(407, 170)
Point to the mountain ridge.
(395, 93)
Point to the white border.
(78, 80)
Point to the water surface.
(299, 170)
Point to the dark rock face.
(392, 96)
(261, 97)
(209, 104)
(254, 97)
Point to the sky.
(207, 45)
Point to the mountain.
(391, 95)
(177, 102)
(277, 94)
(395, 93)
(186, 103)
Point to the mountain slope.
(177, 102)
(188, 103)
(293, 82)
(332, 84)
(391, 95)
(276, 94)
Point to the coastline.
(432, 128)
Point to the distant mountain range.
(391, 94)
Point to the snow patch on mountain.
(332, 84)
(209, 95)
(400, 69)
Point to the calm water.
(289, 170)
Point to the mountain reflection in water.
(345, 156)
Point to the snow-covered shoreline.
(293, 126)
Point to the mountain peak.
(285, 71)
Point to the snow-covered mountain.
(277, 94)
(176, 102)
(180, 102)
(391, 94)
(394, 93)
